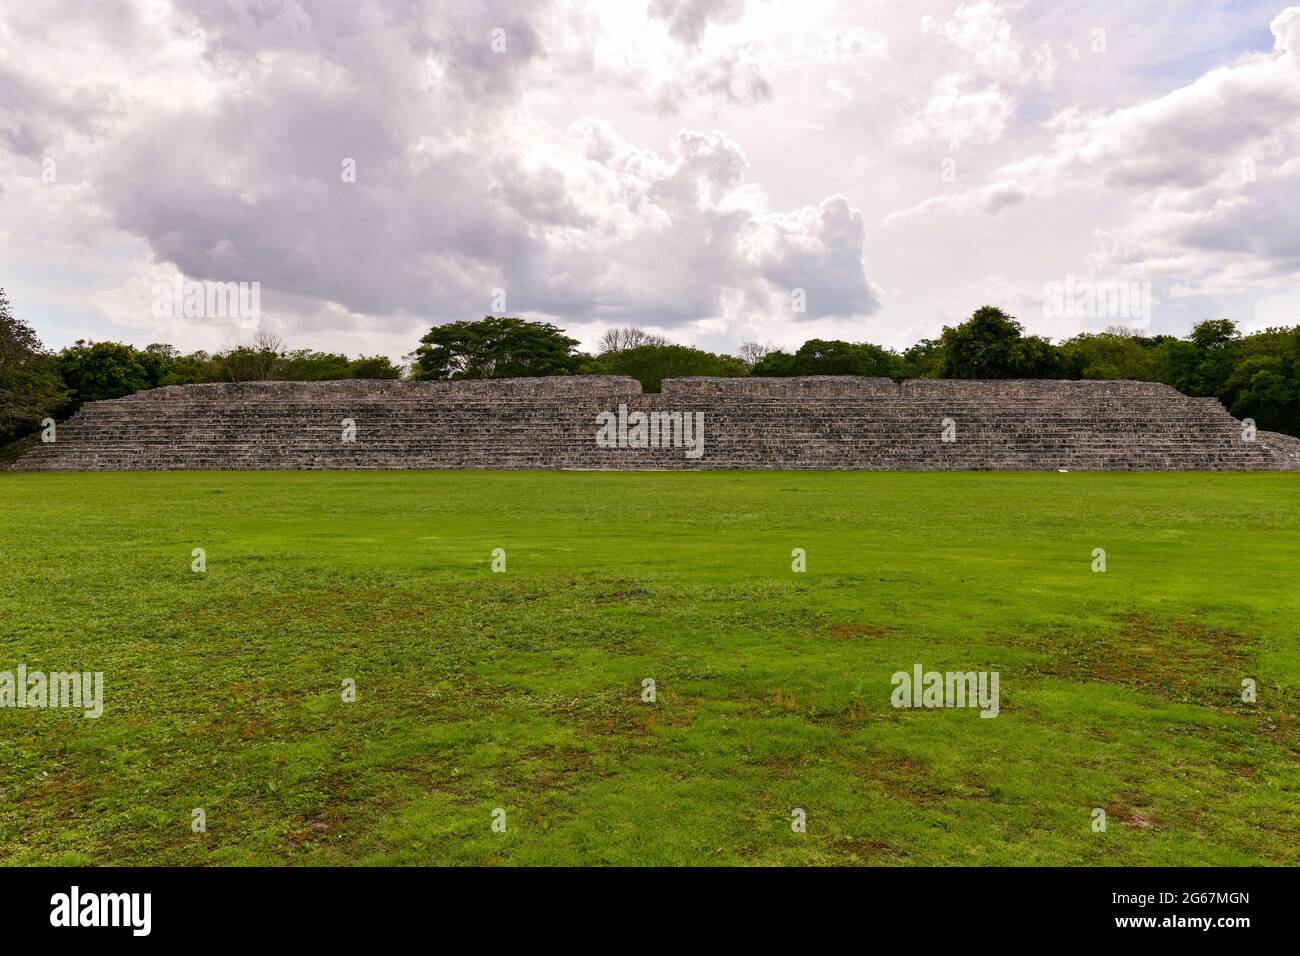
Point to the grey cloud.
(35, 118)
(456, 193)
(1179, 163)
(822, 256)
(253, 189)
(1001, 196)
(688, 20)
(724, 77)
(540, 196)
(383, 40)
(1260, 224)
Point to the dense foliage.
(495, 347)
(821, 357)
(92, 371)
(651, 364)
(1255, 376)
(30, 389)
(991, 344)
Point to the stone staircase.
(841, 423)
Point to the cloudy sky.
(683, 165)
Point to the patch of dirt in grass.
(849, 850)
(907, 778)
(374, 605)
(844, 632)
(913, 779)
(624, 714)
(1132, 811)
(65, 791)
(780, 767)
(1178, 659)
(349, 811)
(556, 769)
(620, 724)
(359, 797)
(974, 787)
(622, 594)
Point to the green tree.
(1264, 387)
(1203, 362)
(1178, 363)
(1214, 333)
(304, 365)
(1108, 355)
(30, 388)
(94, 371)
(494, 347)
(378, 366)
(651, 364)
(256, 361)
(178, 369)
(834, 357)
(924, 359)
(775, 364)
(991, 344)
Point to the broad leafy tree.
(304, 365)
(1108, 355)
(833, 357)
(378, 366)
(1202, 363)
(651, 364)
(494, 347)
(257, 361)
(93, 371)
(924, 359)
(30, 388)
(991, 344)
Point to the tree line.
(1255, 376)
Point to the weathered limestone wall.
(794, 423)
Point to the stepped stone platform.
(590, 422)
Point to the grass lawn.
(522, 690)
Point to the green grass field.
(522, 690)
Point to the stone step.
(816, 423)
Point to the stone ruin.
(591, 422)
